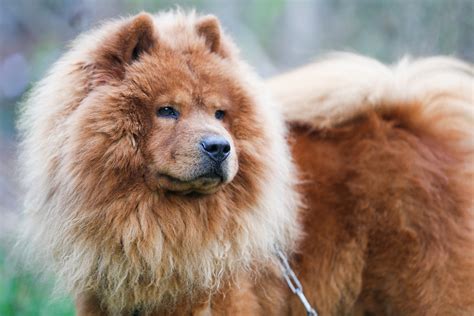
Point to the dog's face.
(190, 147)
(183, 109)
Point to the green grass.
(23, 294)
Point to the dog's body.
(144, 198)
(386, 161)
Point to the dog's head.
(173, 104)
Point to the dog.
(162, 177)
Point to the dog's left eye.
(219, 114)
(168, 112)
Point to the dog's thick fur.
(385, 159)
(386, 156)
(97, 214)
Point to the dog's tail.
(343, 86)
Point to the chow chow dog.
(162, 179)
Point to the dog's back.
(385, 156)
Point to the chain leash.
(294, 284)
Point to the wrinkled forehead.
(183, 78)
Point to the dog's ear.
(136, 38)
(122, 48)
(209, 27)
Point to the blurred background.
(274, 36)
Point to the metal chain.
(294, 284)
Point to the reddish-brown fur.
(385, 158)
(387, 223)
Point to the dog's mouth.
(205, 184)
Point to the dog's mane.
(126, 257)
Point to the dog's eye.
(168, 112)
(219, 114)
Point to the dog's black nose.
(216, 147)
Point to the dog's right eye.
(168, 112)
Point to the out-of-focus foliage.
(274, 35)
(21, 294)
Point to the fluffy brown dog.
(159, 180)
(156, 170)
(386, 158)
